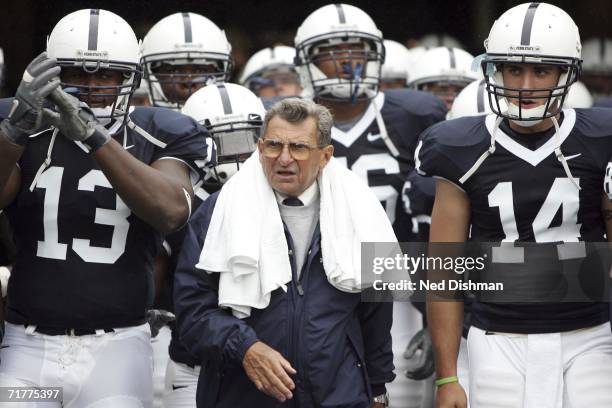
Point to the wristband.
(13, 134)
(446, 380)
(98, 138)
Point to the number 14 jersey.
(522, 193)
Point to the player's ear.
(328, 152)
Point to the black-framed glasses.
(299, 151)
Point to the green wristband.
(446, 380)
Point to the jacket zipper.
(291, 349)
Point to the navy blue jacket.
(339, 346)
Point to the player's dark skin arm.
(606, 211)
(10, 175)
(161, 264)
(449, 223)
(155, 193)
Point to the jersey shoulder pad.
(416, 103)
(165, 124)
(594, 122)
(594, 125)
(5, 107)
(603, 102)
(175, 136)
(450, 148)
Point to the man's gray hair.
(296, 110)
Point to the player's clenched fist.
(39, 79)
(269, 371)
(451, 395)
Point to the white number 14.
(563, 194)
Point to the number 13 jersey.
(84, 259)
(522, 193)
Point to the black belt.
(60, 331)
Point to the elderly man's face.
(284, 173)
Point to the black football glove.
(39, 79)
(420, 356)
(75, 120)
(158, 319)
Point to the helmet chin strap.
(491, 150)
(560, 155)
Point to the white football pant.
(553, 370)
(160, 361)
(181, 385)
(96, 371)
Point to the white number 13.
(51, 181)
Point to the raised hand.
(75, 120)
(40, 78)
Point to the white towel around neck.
(246, 243)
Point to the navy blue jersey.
(84, 259)
(522, 193)
(405, 113)
(603, 102)
(419, 195)
(7, 246)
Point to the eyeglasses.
(299, 151)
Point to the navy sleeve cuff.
(378, 389)
(241, 343)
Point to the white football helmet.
(234, 117)
(597, 65)
(269, 65)
(357, 71)
(443, 65)
(397, 61)
(578, 97)
(531, 33)
(94, 39)
(179, 40)
(471, 101)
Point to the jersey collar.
(533, 157)
(349, 137)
